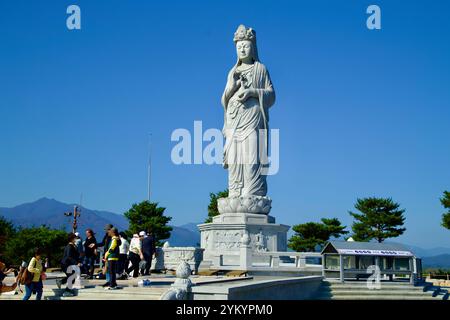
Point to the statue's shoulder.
(231, 72)
(261, 67)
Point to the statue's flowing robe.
(246, 130)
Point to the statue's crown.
(244, 33)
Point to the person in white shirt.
(123, 254)
(135, 254)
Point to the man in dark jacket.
(148, 249)
(105, 242)
(90, 252)
(71, 257)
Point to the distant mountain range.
(438, 261)
(51, 213)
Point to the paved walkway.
(93, 290)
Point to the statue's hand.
(235, 86)
(245, 94)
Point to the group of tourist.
(120, 258)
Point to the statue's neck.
(245, 66)
(247, 62)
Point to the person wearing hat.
(112, 258)
(135, 254)
(79, 244)
(90, 252)
(71, 257)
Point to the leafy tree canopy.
(21, 246)
(7, 231)
(146, 216)
(313, 235)
(378, 218)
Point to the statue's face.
(244, 50)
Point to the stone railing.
(273, 261)
(287, 259)
(168, 258)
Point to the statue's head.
(245, 40)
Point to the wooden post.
(341, 268)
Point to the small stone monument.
(244, 220)
(181, 288)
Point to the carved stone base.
(246, 218)
(223, 239)
(249, 204)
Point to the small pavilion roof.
(367, 248)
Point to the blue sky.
(360, 113)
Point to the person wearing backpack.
(33, 276)
(21, 277)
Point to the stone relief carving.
(245, 239)
(227, 240)
(260, 242)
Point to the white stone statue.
(244, 225)
(247, 98)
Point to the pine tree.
(212, 207)
(379, 219)
(147, 216)
(312, 235)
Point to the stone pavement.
(93, 290)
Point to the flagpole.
(149, 167)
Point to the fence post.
(274, 261)
(302, 262)
(217, 260)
